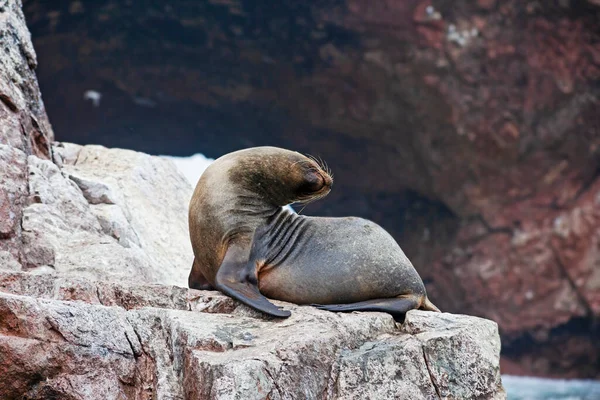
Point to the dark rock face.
(468, 129)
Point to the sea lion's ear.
(237, 278)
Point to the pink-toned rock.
(24, 127)
(73, 338)
(13, 189)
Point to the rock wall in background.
(468, 129)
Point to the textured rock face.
(468, 129)
(108, 214)
(91, 310)
(24, 126)
(69, 338)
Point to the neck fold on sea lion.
(244, 215)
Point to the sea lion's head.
(312, 179)
(281, 176)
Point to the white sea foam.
(191, 167)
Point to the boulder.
(70, 338)
(108, 214)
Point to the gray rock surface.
(24, 127)
(76, 338)
(107, 214)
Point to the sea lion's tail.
(427, 305)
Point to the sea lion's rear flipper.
(427, 305)
(197, 280)
(236, 278)
(395, 306)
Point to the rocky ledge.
(73, 338)
(89, 308)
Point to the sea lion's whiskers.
(310, 165)
(311, 199)
(316, 161)
(322, 164)
(302, 209)
(328, 170)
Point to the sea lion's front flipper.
(238, 279)
(397, 306)
(197, 280)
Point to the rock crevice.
(431, 377)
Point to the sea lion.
(248, 246)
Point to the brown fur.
(247, 246)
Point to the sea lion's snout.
(317, 181)
(314, 181)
